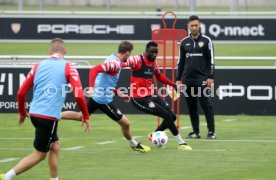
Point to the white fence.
(84, 60)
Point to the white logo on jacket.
(193, 54)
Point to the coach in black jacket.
(196, 71)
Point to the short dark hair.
(124, 47)
(193, 18)
(151, 43)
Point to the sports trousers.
(199, 93)
(156, 106)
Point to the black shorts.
(109, 109)
(45, 133)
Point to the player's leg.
(150, 105)
(53, 158)
(42, 142)
(191, 100)
(163, 125)
(73, 115)
(28, 162)
(115, 114)
(25, 164)
(125, 127)
(205, 103)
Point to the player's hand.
(179, 86)
(126, 98)
(90, 92)
(209, 82)
(173, 92)
(22, 118)
(86, 125)
(178, 82)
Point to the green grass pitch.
(245, 149)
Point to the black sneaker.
(211, 135)
(193, 135)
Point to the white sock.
(10, 175)
(132, 142)
(54, 178)
(179, 139)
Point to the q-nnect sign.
(217, 30)
(239, 29)
(121, 28)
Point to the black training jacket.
(196, 60)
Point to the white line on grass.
(106, 142)
(230, 140)
(188, 127)
(239, 140)
(66, 149)
(185, 127)
(209, 150)
(135, 137)
(73, 148)
(16, 148)
(16, 138)
(19, 138)
(8, 160)
(229, 120)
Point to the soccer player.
(196, 71)
(102, 81)
(144, 67)
(47, 79)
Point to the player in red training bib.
(143, 68)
